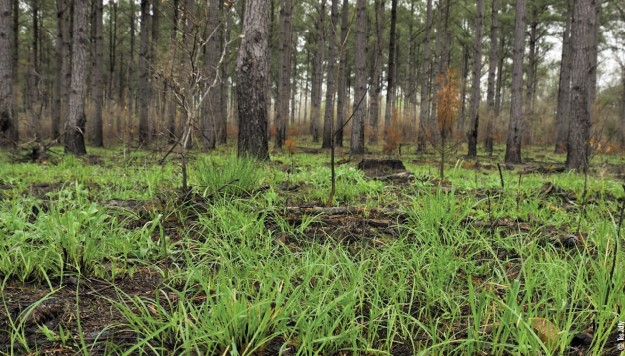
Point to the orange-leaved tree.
(446, 111)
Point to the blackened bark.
(317, 76)
(426, 75)
(143, 89)
(328, 117)
(513, 144)
(97, 93)
(76, 120)
(252, 69)
(342, 80)
(564, 85)
(492, 71)
(390, 86)
(284, 73)
(8, 124)
(475, 84)
(376, 65)
(357, 141)
(583, 41)
(211, 107)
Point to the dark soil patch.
(37, 308)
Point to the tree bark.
(284, 74)
(583, 41)
(623, 106)
(513, 144)
(328, 118)
(564, 85)
(211, 108)
(317, 77)
(475, 81)
(171, 104)
(252, 69)
(376, 65)
(143, 94)
(390, 86)
(493, 59)
(76, 120)
(8, 124)
(426, 75)
(97, 94)
(32, 101)
(357, 141)
(342, 80)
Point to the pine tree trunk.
(97, 80)
(317, 76)
(252, 69)
(284, 73)
(342, 80)
(357, 140)
(32, 100)
(513, 144)
(171, 104)
(583, 41)
(564, 85)
(376, 65)
(328, 117)
(211, 107)
(76, 120)
(59, 105)
(390, 86)
(143, 89)
(475, 84)
(8, 132)
(426, 75)
(492, 72)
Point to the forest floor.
(106, 254)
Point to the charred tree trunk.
(171, 104)
(426, 75)
(342, 80)
(143, 94)
(376, 65)
(513, 144)
(492, 72)
(317, 76)
(252, 69)
(583, 41)
(390, 86)
(357, 141)
(564, 87)
(284, 74)
(475, 84)
(211, 107)
(76, 120)
(328, 117)
(97, 94)
(8, 123)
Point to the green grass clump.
(227, 176)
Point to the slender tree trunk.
(426, 75)
(33, 98)
(623, 106)
(411, 71)
(224, 86)
(583, 41)
(564, 85)
(357, 141)
(475, 84)
(342, 80)
(376, 65)
(463, 91)
(97, 78)
(492, 72)
(143, 95)
(113, 49)
(8, 123)
(390, 86)
(155, 110)
(284, 74)
(171, 104)
(513, 144)
(317, 77)
(328, 119)
(131, 72)
(252, 69)
(66, 28)
(76, 120)
(211, 107)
